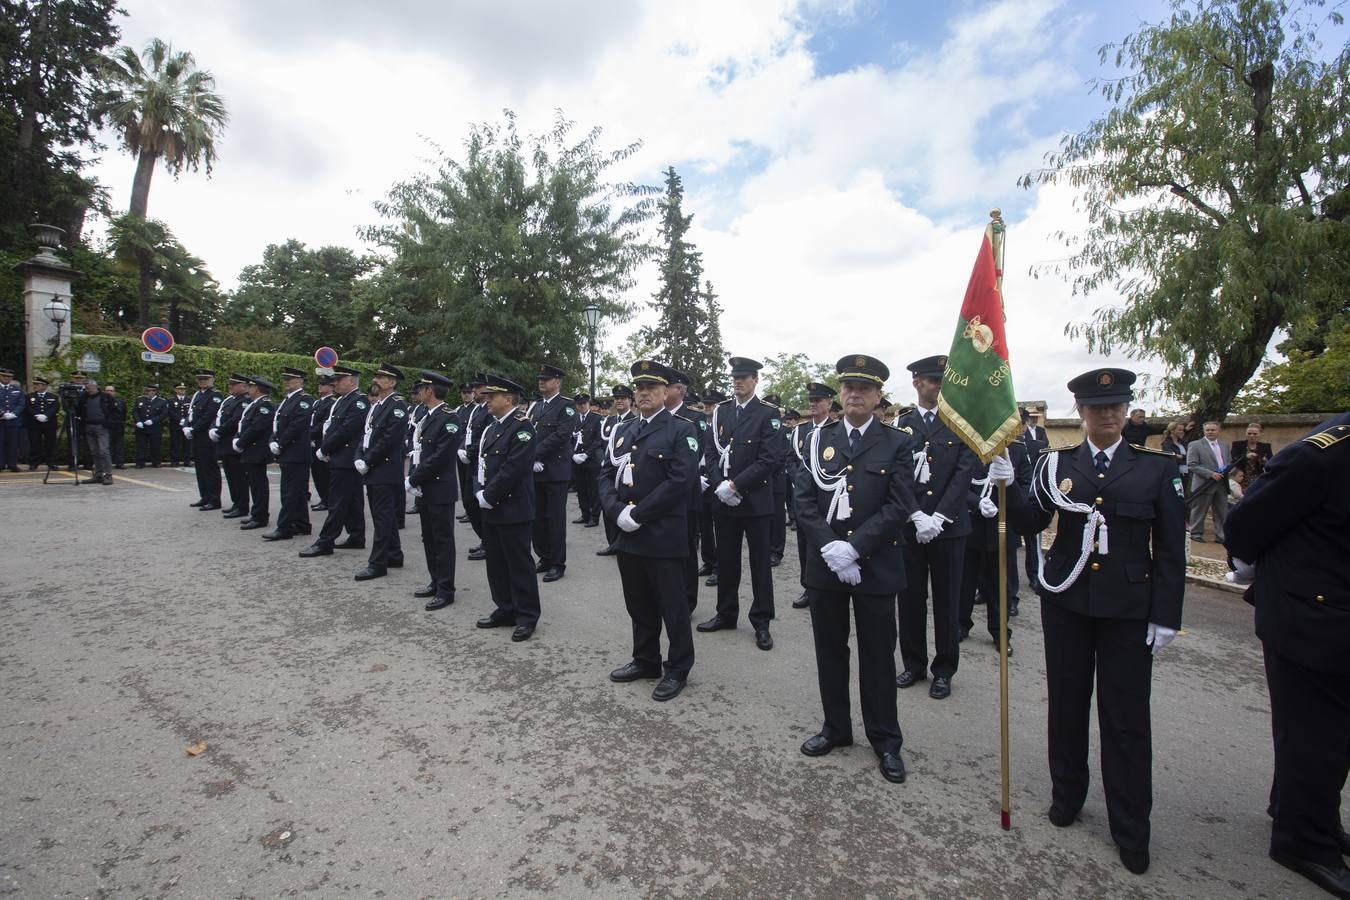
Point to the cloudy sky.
(840, 158)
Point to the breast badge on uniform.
(1066, 485)
(828, 454)
(1176, 486)
(619, 442)
(360, 404)
(776, 424)
(569, 410)
(451, 427)
(523, 436)
(400, 413)
(693, 443)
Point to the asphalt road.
(360, 745)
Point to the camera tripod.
(71, 431)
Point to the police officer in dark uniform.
(417, 409)
(1034, 438)
(676, 406)
(42, 415)
(223, 432)
(379, 459)
(707, 529)
(504, 483)
(647, 488)
(116, 423)
(623, 412)
(290, 446)
(981, 561)
(743, 454)
(554, 418)
(1111, 592)
(585, 462)
(201, 419)
(255, 430)
(819, 396)
(12, 403)
(1293, 525)
(434, 483)
(779, 481)
(342, 435)
(473, 419)
(318, 417)
(180, 448)
(855, 489)
(148, 415)
(935, 536)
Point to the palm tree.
(166, 109)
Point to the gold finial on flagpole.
(997, 231)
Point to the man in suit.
(318, 417)
(855, 489)
(255, 428)
(1293, 527)
(554, 419)
(1110, 600)
(180, 448)
(744, 452)
(675, 405)
(504, 483)
(647, 489)
(935, 536)
(149, 414)
(473, 418)
(623, 411)
(434, 483)
(222, 434)
(343, 433)
(1208, 463)
(201, 419)
(290, 447)
(42, 414)
(818, 396)
(707, 526)
(379, 460)
(585, 462)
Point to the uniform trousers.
(778, 518)
(689, 564)
(386, 549)
(588, 497)
(755, 532)
(438, 543)
(943, 560)
(653, 593)
(707, 530)
(1310, 721)
(1075, 647)
(550, 523)
(259, 492)
(875, 617)
(149, 445)
(180, 450)
(10, 431)
(208, 473)
(346, 508)
(319, 474)
(42, 446)
(981, 574)
(510, 571)
(471, 507)
(116, 443)
(293, 517)
(235, 480)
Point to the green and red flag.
(977, 399)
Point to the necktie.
(738, 413)
(928, 419)
(1218, 454)
(854, 438)
(1102, 463)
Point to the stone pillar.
(45, 278)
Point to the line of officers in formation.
(887, 517)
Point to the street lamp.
(591, 316)
(58, 311)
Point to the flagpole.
(997, 234)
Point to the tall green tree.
(167, 111)
(679, 314)
(710, 367)
(493, 256)
(788, 374)
(1305, 382)
(185, 296)
(1214, 189)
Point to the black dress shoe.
(493, 622)
(608, 551)
(350, 544)
(801, 602)
(205, 506)
(581, 521)
(775, 560)
(1012, 611)
(706, 569)
(440, 602)
(233, 514)
(941, 689)
(319, 507)
(592, 523)
(477, 553)
(908, 679)
(462, 517)
(712, 580)
(252, 524)
(542, 567)
(667, 688)
(893, 768)
(716, 623)
(522, 633)
(763, 640)
(314, 550)
(1333, 880)
(277, 535)
(370, 572)
(1134, 860)
(233, 507)
(1061, 817)
(198, 503)
(633, 671)
(307, 530)
(424, 593)
(819, 744)
(553, 574)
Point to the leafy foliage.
(1305, 382)
(788, 374)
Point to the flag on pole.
(977, 400)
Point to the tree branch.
(1189, 196)
(1302, 190)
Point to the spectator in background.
(1250, 456)
(1137, 431)
(93, 415)
(115, 419)
(1174, 442)
(1208, 461)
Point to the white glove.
(235, 444)
(213, 434)
(362, 467)
(149, 423)
(9, 415)
(703, 482)
(1243, 572)
(988, 508)
(538, 467)
(850, 574)
(187, 432)
(41, 417)
(408, 485)
(482, 501)
(926, 527)
(839, 555)
(275, 448)
(726, 493)
(320, 456)
(463, 455)
(1001, 469)
(578, 458)
(1159, 636)
(625, 520)
(140, 424)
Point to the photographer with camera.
(94, 411)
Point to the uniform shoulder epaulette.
(1142, 449)
(683, 418)
(1045, 450)
(1324, 439)
(521, 417)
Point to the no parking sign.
(325, 357)
(157, 340)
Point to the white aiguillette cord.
(622, 463)
(836, 484)
(1095, 525)
(723, 453)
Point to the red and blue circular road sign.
(157, 340)
(326, 357)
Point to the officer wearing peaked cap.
(255, 429)
(554, 418)
(201, 419)
(1111, 591)
(434, 482)
(42, 416)
(819, 396)
(473, 418)
(318, 417)
(622, 412)
(180, 447)
(223, 432)
(676, 406)
(149, 413)
(290, 447)
(343, 433)
(586, 461)
(707, 529)
(379, 459)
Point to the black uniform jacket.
(179, 408)
(472, 420)
(292, 429)
(435, 471)
(554, 423)
(699, 423)
(255, 430)
(46, 404)
(384, 456)
(203, 413)
(231, 408)
(318, 414)
(880, 479)
(1144, 571)
(984, 532)
(1294, 524)
(951, 466)
(756, 445)
(588, 429)
(508, 470)
(346, 429)
(156, 409)
(664, 460)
